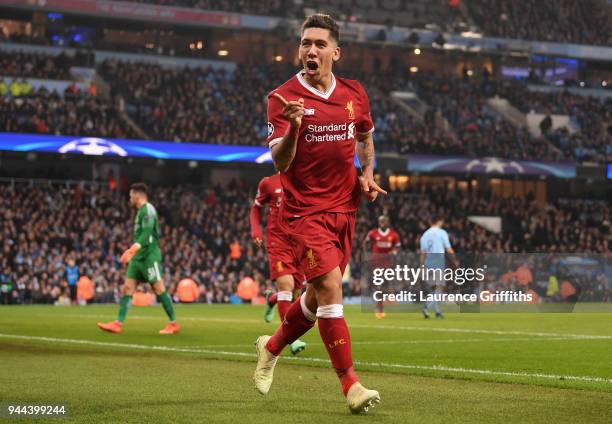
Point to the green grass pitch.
(466, 368)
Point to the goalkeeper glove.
(129, 254)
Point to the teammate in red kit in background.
(384, 241)
(312, 137)
(283, 269)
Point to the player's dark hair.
(140, 188)
(437, 217)
(321, 20)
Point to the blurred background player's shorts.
(149, 269)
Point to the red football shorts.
(280, 255)
(321, 242)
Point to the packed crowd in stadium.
(37, 65)
(203, 105)
(385, 12)
(78, 113)
(480, 130)
(590, 120)
(582, 22)
(196, 105)
(206, 234)
(162, 103)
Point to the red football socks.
(337, 340)
(272, 299)
(283, 308)
(293, 326)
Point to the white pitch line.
(481, 331)
(437, 368)
(434, 341)
(366, 326)
(402, 342)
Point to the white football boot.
(360, 399)
(264, 372)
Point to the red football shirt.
(383, 241)
(322, 176)
(270, 192)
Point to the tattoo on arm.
(365, 153)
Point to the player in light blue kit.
(434, 245)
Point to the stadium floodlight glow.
(414, 69)
(470, 72)
(278, 58)
(581, 83)
(200, 45)
(222, 52)
(604, 83)
(192, 46)
(417, 51)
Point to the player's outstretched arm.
(284, 152)
(365, 154)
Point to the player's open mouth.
(311, 67)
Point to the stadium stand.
(162, 102)
(32, 65)
(581, 22)
(461, 100)
(43, 225)
(416, 13)
(270, 8)
(196, 105)
(70, 113)
(590, 118)
(202, 105)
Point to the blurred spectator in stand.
(72, 278)
(187, 291)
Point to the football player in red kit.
(282, 266)
(316, 123)
(384, 241)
